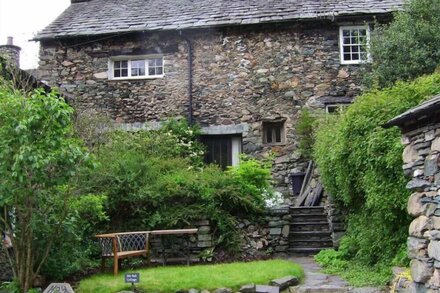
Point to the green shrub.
(360, 164)
(305, 129)
(356, 273)
(408, 47)
(155, 180)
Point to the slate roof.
(419, 112)
(95, 17)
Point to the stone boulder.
(420, 271)
(284, 283)
(419, 226)
(434, 249)
(247, 288)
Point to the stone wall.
(421, 163)
(242, 75)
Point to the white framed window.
(136, 67)
(354, 44)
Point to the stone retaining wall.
(266, 238)
(421, 162)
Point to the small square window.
(335, 108)
(354, 44)
(273, 132)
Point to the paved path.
(317, 281)
(314, 276)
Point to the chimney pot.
(10, 41)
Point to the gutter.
(190, 78)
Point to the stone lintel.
(225, 129)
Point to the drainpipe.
(190, 78)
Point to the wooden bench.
(130, 244)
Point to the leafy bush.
(356, 273)
(154, 179)
(408, 47)
(305, 129)
(360, 164)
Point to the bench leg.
(102, 264)
(115, 266)
(188, 252)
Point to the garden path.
(318, 282)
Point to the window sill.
(275, 144)
(136, 78)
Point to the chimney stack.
(11, 52)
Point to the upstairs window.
(136, 67)
(273, 132)
(354, 43)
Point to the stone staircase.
(309, 230)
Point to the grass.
(174, 278)
(355, 273)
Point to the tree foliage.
(408, 47)
(360, 164)
(156, 180)
(40, 155)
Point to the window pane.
(278, 134)
(159, 71)
(355, 56)
(117, 64)
(137, 64)
(159, 62)
(124, 72)
(151, 71)
(117, 73)
(151, 63)
(124, 64)
(345, 33)
(269, 135)
(355, 49)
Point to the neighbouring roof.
(415, 114)
(95, 17)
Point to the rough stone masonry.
(242, 76)
(421, 138)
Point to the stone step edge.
(334, 289)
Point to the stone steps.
(309, 226)
(309, 230)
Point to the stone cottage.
(421, 136)
(242, 69)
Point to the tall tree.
(406, 48)
(39, 154)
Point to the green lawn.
(173, 278)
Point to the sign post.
(132, 278)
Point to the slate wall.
(241, 76)
(421, 163)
